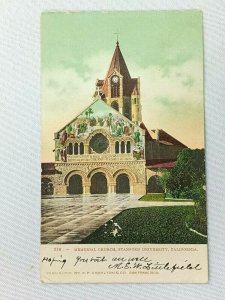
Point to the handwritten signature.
(118, 263)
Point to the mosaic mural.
(99, 116)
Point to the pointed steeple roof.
(118, 64)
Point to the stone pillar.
(131, 189)
(111, 189)
(86, 189)
(60, 190)
(86, 148)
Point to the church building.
(107, 148)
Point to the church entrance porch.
(122, 184)
(99, 184)
(75, 185)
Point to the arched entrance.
(75, 185)
(47, 187)
(99, 183)
(122, 184)
(154, 185)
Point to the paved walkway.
(69, 220)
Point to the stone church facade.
(107, 148)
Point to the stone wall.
(134, 169)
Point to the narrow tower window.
(117, 147)
(122, 147)
(81, 148)
(75, 148)
(128, 147)
(70, 149)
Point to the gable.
(99, 114)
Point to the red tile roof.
(157, 164)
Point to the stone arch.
(122, 184)
(102, 131)
(75, 185)
(99, 183)
(130, 174)
(154, 185)
(105, 171)
(76, 172)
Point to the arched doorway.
(154, 185)
(47, 187)
(75, 185)
(122, 184)
(99, 183)
(115, 105)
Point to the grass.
(159, 225)
(161, 197)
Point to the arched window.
(81, 148)
(75, 148)
(122, 147)
(117, 147)
(70, 149)
(128, 147)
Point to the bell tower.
(119, 90)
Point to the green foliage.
(199, 219)
(160, 225)
(89, 112)
(153, 197)
(164, 179)
(187, 178)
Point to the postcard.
(123, 184)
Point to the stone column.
(131, 189)
(86, 189)
(111, 189)
(86, 149)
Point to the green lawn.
(159, 225)
(161, 197)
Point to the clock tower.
(119, 90)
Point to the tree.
(164, 179)
(187, 178)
